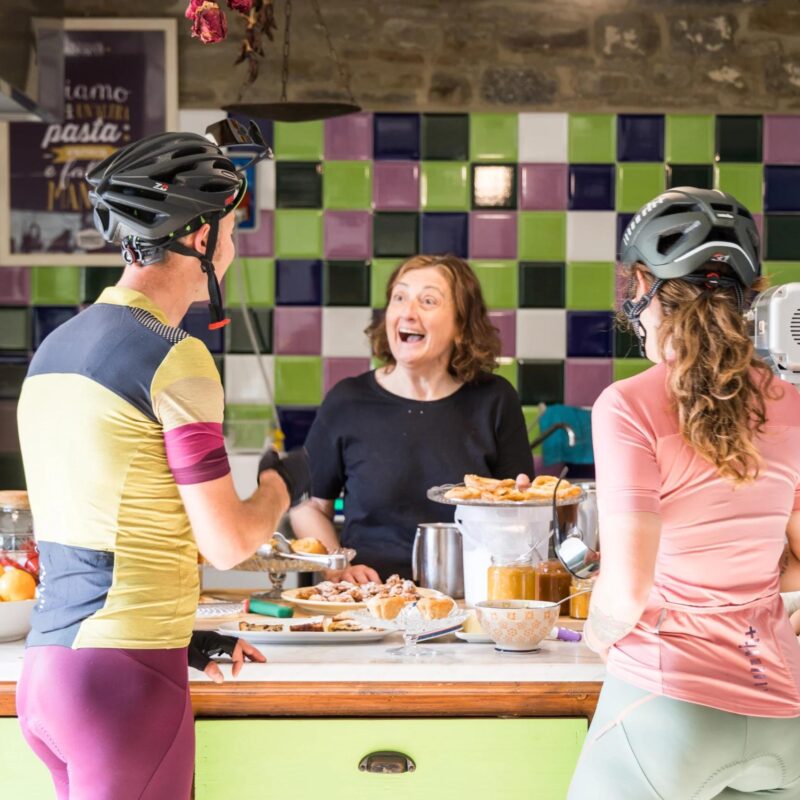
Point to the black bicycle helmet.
(152, 192)
(681, 230)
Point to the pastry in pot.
(309, 545)
(463, 493)
(435, 607)
(385, 607)
(487, 484)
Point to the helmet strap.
(218, 319)
(633, 311)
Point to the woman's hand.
(243, 651)
(355, 573)
(523, 482)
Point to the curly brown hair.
(477, 344)
(719, 386)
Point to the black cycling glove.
(205, 644)
(293, 468)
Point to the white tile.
(243, 380)
(343, 332)
(265, 184)
(244, 471)
(542, 333)
(196, 120)
(543, 138)
(591, 236)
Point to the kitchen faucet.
(551, 430)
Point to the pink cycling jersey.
(715, 630)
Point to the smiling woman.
(431, 414)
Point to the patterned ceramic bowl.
(517, 626)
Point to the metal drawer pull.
(387, 762)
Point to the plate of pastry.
(479, 491)
(340, 629)
(334, 597)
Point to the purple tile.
(395, 185)
(585, 378)
(336, 369)
(298, 330)
(349, 138)
(396, 137)
(298, 283)
(781, 139)
(348, 234)
(15, 284)
(296, 423)
(195, 323)
(493, 234)
(259, 243)
(543, 187)
(590, 334)
(506, 324)
(47, 318)
(592, 187)
(640, 137)
(444, 233)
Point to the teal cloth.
(556, 449)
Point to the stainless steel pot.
(577, 540)
(437, 560)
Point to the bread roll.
(309, 545)
(435, 607)
(385, 607)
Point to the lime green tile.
(256, 277)
(55, 286)
(744, 181)
(507, 368)
(628, 367)
(531, 415)
(493, 137)
(347, 184)
(592, 138)
(780, 272)
(380, 272)
(299, 141)
(542, 235)
(690, 138)
(499, 282)
(248, 427)
(590, 285)
(376, 363)
(298, 380)
(637, 184)
(298, 234)
(445, 186)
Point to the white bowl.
(15, 619)
(517, 625)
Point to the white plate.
(333, 608)
(474, 638)
(302, 637)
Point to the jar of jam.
(552, 583)
(510, 580)
(579, 606)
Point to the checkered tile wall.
(535, 202)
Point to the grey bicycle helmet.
(684, 228)
(683, 234)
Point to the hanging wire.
(344, 75)
(286, 45)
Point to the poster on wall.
(120, 84)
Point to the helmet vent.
(666, 243)
(794, 326)
(677, 208)
(722, 207)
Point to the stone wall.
(573, 55)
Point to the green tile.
(493, 137)
(744, 181)
(55, 286)
(499, 282)
(256, 276)
(445, 137)
(346, 283)
(248, 427)
(637, 184)
(542, 235)
(298, 380)
(15, 328)
(780, 272)
(507, 368)
(237, 336)
(381, 271)
(298, 234)
(299, 141)
(591, 285)
(628, 367)
(347, 184)
(531, 415)
(690, 138)
(592, 138)
(445, 186)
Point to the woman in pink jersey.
(698, 481)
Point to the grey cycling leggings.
(643, 746)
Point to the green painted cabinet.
(454, 759)
(22, 775)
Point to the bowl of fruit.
(17, 599)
